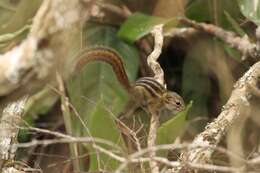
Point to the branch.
(11, 170)
(28, 66)
(138, 157)
(181, 32)
(243, 45)
(153, 57)
(159, 76)
(11, 117)
(236, 108)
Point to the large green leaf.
(173, 128)
(102, 125)
(96, 88)
(138, 25)
(251, 9)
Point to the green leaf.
(250, 9)
(138, 25)
(197, 10)
(96, 88)
(100, 117)
(173, 128)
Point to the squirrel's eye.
(178, 103)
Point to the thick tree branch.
(29, 66)
(243, 45)
(10, 119)
(237, 106)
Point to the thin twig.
(68, 121)
(109, 153)
(64, 140)
(46, 131)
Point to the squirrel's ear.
(165, 98)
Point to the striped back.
(152, 88)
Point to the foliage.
(138, 25)
(201, 68)
(171, 129)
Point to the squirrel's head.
(173, 102)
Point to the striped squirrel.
(146, 91)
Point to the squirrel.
(146, 91)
